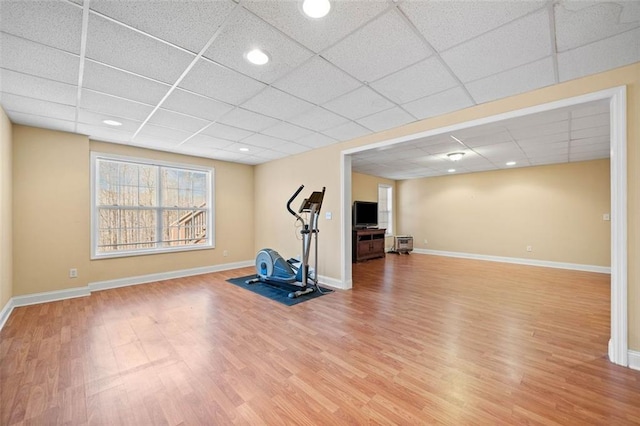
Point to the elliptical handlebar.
(293, 197)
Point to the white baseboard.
(634, 360)
(331, 282)
(519, 261)
(161, 276)
(70, 293)
(5, 312)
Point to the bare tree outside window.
(145, 206)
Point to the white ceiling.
(174, 74)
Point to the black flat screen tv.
(365, 214)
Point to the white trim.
(161, 276)
(50, 296)
(70, 293)
(332, 282)
(210, 173)
(618, 347)
(6, 312)
(345, 221)
(634, 359)
(518, 261)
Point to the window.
(385, 208)
(142, 207)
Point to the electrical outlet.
(73, 273)
(225, 253)
(425, 242)
(529, 248)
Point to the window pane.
(131, 197)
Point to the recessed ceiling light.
(244, 149)
(257, 57)
(112, 122)
(455, 156)
(451, 170)
(316, 8)
(511, 163)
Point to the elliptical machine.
(272, 268)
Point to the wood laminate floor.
(419, 340)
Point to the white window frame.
(389, 189)
(210, 172)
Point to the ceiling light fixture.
(451, 170)
(112, 122)
(511, 163)
(243, 149)
(257, 57)
(455, 156)
(316, 8)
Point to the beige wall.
(51, 176)
(324, 168)
(6, 202)
(365, 188)
(557, 210)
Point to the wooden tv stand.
(367, 244)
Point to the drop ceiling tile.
(600, 56)
(318, 119)
(547, 149)
(316, 140)
(587, 156)
(37, 88)
(543, 118)
(518, 80)
(487, 139)
(111, 81)
(520, 42)
(287, 131)
(96, 119)
(347, 131)
(269, 155)
(292, 148)
(228, 156)
(39, 121)
(105, 134)
(599, 140)
(441, 103)
(590, 121)
(195, 105)
(114, 106)
(175, 120)
(235, 149)
(595, 147)
(152, 135)
(579, 22)
(53, 23)
(218, 82)
(417, 81)
(448, 23)
(383, 46)
(544, 139)
(443, 148)
(387, 119)
(143, 55)
(591, 132)
(168, 20)
(317, 81)
(39, 107)
(540, 130)
(223, 131)
(276, 103)
(359, 103)
(207, 142)
(245, 32)
(541, 161)
(264, 141)
(36, 59)
(592, 108)
(248, 120)
(317, 34)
